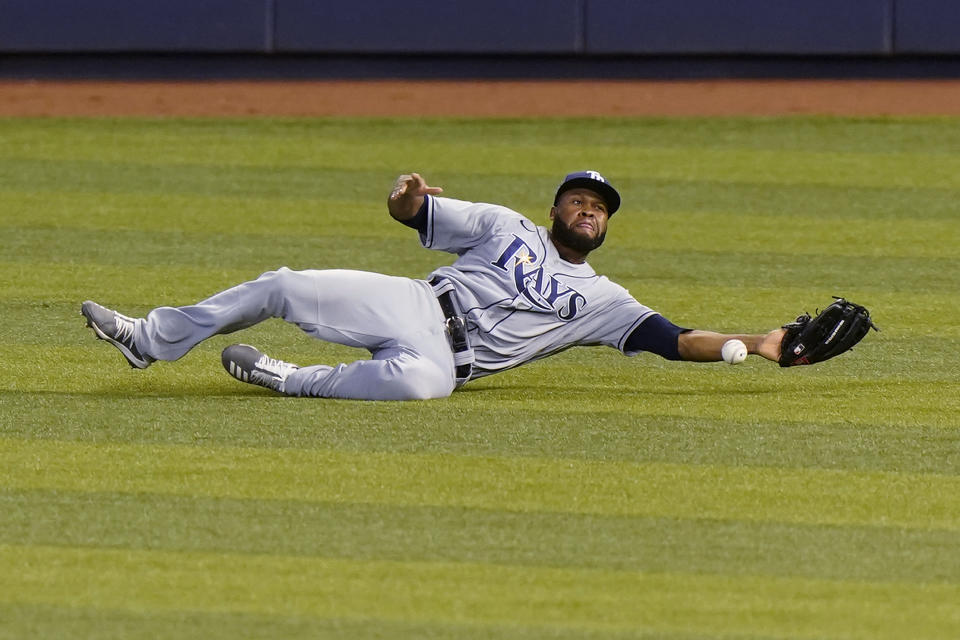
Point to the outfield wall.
(575, 29)
(587, 27)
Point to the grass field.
(584, 496)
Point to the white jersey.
(522, 300)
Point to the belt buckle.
(457, 330)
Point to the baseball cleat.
(117, 329)
(247, 364)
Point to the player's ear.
(553, 213)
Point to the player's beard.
(571, 239)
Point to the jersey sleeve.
(456, 226)
(611, 315)
(632, 327)
(657, 335)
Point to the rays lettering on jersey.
(541, 289)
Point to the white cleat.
(247, 364)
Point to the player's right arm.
(407, 196)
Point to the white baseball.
(734, 351)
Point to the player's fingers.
(400, 186)
(413, 184)
(422, 188)
(417, 184)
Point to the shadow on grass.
(608, 393)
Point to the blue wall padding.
(134, 25)
(927, 26)
(429, 26)
(739, 26)
(582, 27)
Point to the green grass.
(585, 496)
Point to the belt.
(456, 326)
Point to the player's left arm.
(807, 340)
(658, 335)
(705, 346)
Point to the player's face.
(579, 220)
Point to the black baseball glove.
(834, 330)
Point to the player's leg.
(400, 373)
(167, 333)
(397, 319)
(393, 374)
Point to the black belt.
(456, 326)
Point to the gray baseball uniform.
(521, 300)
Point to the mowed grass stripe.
(435, 534)
(159, 407)
(510, 484)
(108, 213)
(834, 398)
(76, 623)
(197, 215)
(238, 163)
(296, 214)
(72, 245)
(257, 253)
(297, 137)
(477, 594)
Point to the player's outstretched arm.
(407, 195)
(705, 346)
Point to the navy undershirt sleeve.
(419, 221)
(657, 335)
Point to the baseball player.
(516, 293)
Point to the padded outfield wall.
(579, 30)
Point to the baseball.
(733, 352)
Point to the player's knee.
(420, 381)
(278, 278)
(283, 289)
(419, 389)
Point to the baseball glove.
(836, 329)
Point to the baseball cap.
(593, 181)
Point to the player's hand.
(412, 185)
(769, 346)
(407, 196)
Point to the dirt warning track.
(387, 98)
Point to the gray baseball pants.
(397, 319)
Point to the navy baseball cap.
(593, 181)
